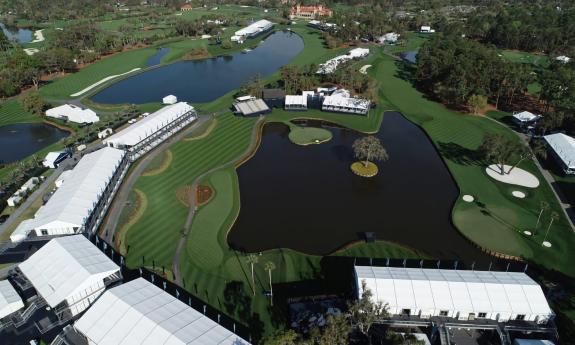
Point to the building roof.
(346, 102)
(314, 9)
(144, 128)
(10, 301)
(254, 106)
(51, 157)
(434, 289)
(331, 65)
(273, 93)
(66, 266)
(564, 147)
(73, 113)
(254, 28)
(72, 203)
(139, 312)
(299, 100)
(525, 116)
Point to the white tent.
(255, 28)
(297, 102)
(73, 203)
(170, 99)
(341, 104)
(10, 301)
(54, 158)
(148, 126)
(525, 117)
(563, 147)
(69, 269)
(73, 113)
(139, 312)
(465, 295)
(332, 64)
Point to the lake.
(307, 198)
(20, 35)
(204, 80)
(24, 139)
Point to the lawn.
(12, 112)
(524, 57)
(308, 135)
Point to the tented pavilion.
(10, 301)
(296, 102)
(347, 105)
(463, 295)
(139, 312)
(72, 205)
(563, 148)
(525, 118)
(73, 113)
(69, 273)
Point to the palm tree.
(554, 216)
(252, 259)
(544, 206)
(369, 148)
(270, 266)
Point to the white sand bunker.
(31, 51)
(468, 198)
(528, 233)
(547, 244)
(518, 194)
(363, 69)
(39, 36)
(517, 176)
(102, 82)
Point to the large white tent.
(254, 29)
(465, 295)
(73, 113)
(10, 301)
(349, 105)
(72, 204)
(139, 312)
(148, 126)
(563, 147)
(69, 269)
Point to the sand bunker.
(518, 194)
(468, 198)
(518, 177)
(363, 69)
(102, 82)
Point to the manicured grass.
(499, 225)
(12, 112)
(524, 57)
(364, 123)
(308, 135)
(365, 170)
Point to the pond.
(307, 198)
(18, 34)
(207, 79)
(157, 58)
(25, 139)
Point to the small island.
(308, 135)
(367, 150)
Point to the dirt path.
(254, 142)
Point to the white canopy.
(432, 292)
(296, 101)
(146, 127)
(255, 28)
(331, 65)
(73, 113)
(74, 201)
(170, 99)
(564, 147)
(339, 103)
(51, 158)
(525, 116)
(139, 312)
(10, 301)
(66, 267)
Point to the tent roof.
(73, 113)
(139, 312)
(66, 266)
(253, 28)
(253, 106)
(72, 203)
(472, 291)
(564, 147)
(10, 301)
(348, 102)
(525, 116)
(296, 100)
(150, 124)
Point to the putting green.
(308, 135)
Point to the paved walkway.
(193, 207)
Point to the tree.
(554, 217)
(33, 103)
(543, 206)
(282, 337)
(498, 148)
(364, 312)
(523, 152)
(270, 266)
(335, 332)
(477, 103)
(252, 259)
(369, 148)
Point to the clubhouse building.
(309, 12)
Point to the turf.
(308, 135)
(12, 112)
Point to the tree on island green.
(367, 150)
(501, 150)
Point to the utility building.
(69, 273)
(139, 312)
(462, 295)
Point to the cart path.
(254, 143)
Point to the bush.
(227, 44)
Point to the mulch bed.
(204, 194)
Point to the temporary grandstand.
(149, 132)
(69, 273)
(252, 30)
(139, 312)
(73, 113)
(79, 203)
(10, 301)
(563, 148)
(331, 65)
(296, 102)
(461, 295)
(349, 105)
(250, 106)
